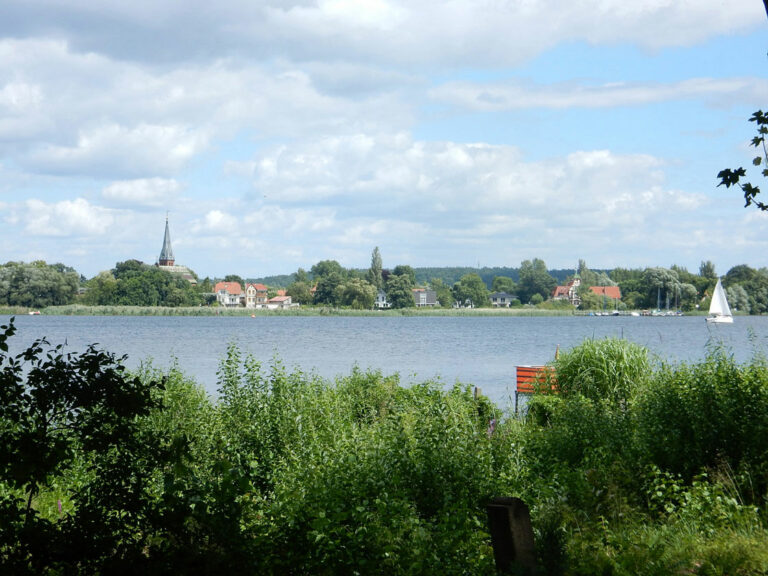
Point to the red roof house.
(612, 292)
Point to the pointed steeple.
(166, 254)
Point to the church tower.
(166, 254)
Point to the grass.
(80, 310)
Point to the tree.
(405, 270)
(301, 276)
(75, 415)
(101, 289)
(471, 288)
(738, 298)
(660, 285)
(326, 268)
(504, 284)
(689, 296)
(327, 292)
(299, 293)
(730, 177)
(534, 279)
(739, 274)
(590, 301)
(138, 284)
(399, 291)
(707, 270)
(357, 294)
(37, 284)
(442, 292)
(374, 272)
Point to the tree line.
(327, 283)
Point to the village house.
(279, 302)
(612, 292)
(501, 299)
(423, 297)
(228, 294)
(255, 296)
(381, 300)
(569, 291)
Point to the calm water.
(476, 350)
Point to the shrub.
(609, 369)
(706, 415)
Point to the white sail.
(719, 311)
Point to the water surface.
(482, 351)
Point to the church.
(167, 262)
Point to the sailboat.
(719, 311)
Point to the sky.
(276, 134)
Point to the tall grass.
(81, 310)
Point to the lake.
(477, 350)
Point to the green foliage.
(504, 284)
(374, 276)
(359, 476)
(357, 294)
(591, 301)
(692, 417)
(234, 278)
(327, 268)
(748, 287)
(443, 293)
(328, 289)
(471, 288)
(534, 279)
(730, 177)
(707, 270)
(69, 424)
(636, 469)
(603, 370)
(299, 292)
(133, 283)
(631, 468)
(405, 270)
(37, 285)
(398, 289)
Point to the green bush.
(705, 416)
(608, 369)
(630, 469)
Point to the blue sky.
(280, 133)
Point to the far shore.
(79, 310)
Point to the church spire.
(166, 254)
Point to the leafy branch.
(730, 177)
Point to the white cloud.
(276, 221)
(18, 97)
(217, 222)
(427, 32)
(465, 194)
(155, 192)
(114, 149)
(519, 95)
(65, 218)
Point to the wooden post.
(509, 521)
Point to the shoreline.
(80, 310)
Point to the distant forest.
(448, 274)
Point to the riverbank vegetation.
(633, 467)
(133, 287)
(82, 310)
